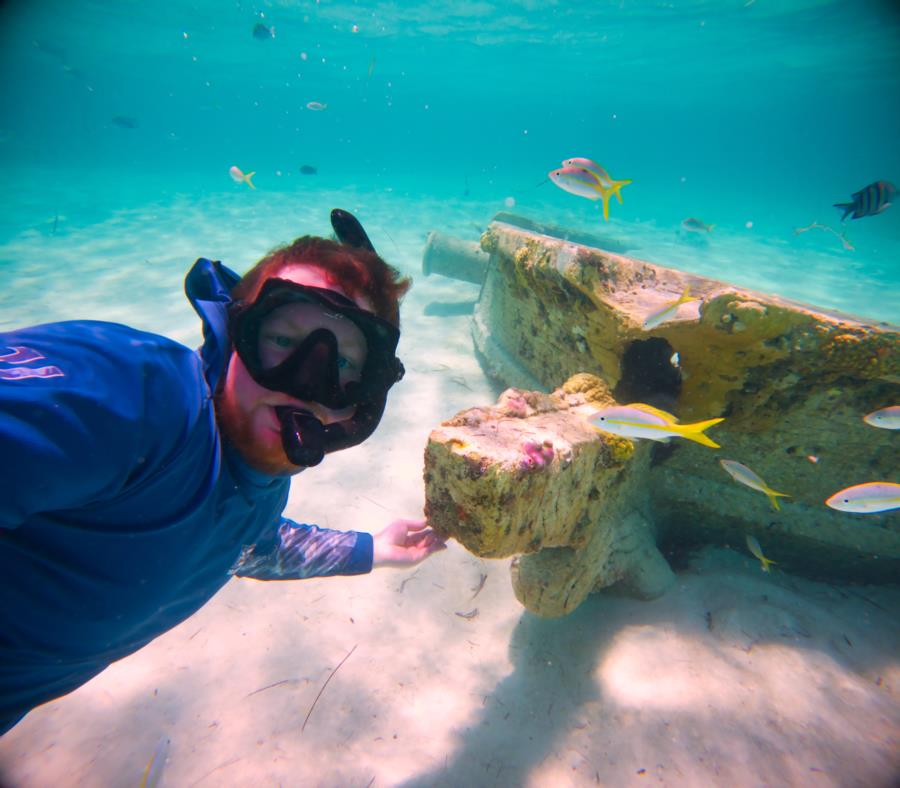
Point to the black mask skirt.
(311, 372)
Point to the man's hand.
(404, 543)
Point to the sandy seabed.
(734, 677)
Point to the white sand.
(734, 677)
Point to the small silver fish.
(693, 225)
(263, 32)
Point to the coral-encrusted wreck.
(583, 510)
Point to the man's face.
(246, 410)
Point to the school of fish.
(641, 421)
(585, 178)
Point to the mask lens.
(311, 353)
(318, 346)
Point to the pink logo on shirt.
(25, 355)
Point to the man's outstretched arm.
(302, 551)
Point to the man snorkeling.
(138, 475)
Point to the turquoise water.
(118, 125)
(734, 112)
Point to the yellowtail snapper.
(639, 420)
(239, 176)
(668, 310)
(886, 418)
(866, 498)
(741, 473)
(586, 178)
(154, 768)
(753, 547)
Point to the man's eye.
(280, 340)
(345, 363)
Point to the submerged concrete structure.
(792, 382)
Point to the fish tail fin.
(709, 228)
(615, 186)
(766, 563)
(846, 207)
(686, 296)
(694, 432)
(249, 179)
(773, 496)
(606, 193)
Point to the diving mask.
(312, 362)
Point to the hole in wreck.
(648, 374)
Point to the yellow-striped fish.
(587, 179)
(744, 475)
(644, 421)
(866, 498)
(606, 180)
(753, 547)
(153, 769)
(885, 418)
(238, 176)
(668, 310)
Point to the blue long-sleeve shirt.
(122, 508)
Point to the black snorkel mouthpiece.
(302, 436)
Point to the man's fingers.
(423, 537)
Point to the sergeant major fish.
(868, 201)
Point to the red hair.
(358, 272)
